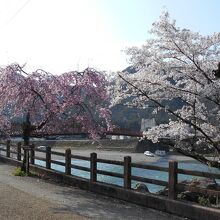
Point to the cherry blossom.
(54, 103)
(178, 64)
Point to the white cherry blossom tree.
(178, 64)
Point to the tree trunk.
(26, 138)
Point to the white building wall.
(147, 123)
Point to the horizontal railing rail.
(80, 157)
(199, 173)
(58, 153)
(108, 173)
(151, 181)
(114, 162)
(58, 162)
(39, 158)
(80, 167)
(150, 167)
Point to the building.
(147, 123)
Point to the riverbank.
(127, 145)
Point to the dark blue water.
(158, 175)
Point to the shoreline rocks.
(141, 187)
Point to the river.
(159, 175)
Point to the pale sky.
(63, 35)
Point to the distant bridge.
(115, 131)
(125, 132)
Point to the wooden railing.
(172, 171)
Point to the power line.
(17, 12)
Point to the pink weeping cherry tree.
(49, 103)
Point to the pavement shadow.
(102, 207)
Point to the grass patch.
(19, 172)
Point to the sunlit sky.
(63, 35)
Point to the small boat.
(42, 147)
(148, 154)
(160, 152)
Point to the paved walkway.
(32, 198)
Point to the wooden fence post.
(32, 154)
(8, 148)
(173, 166)
(23, 167)
(19, 151)
(27, 165)
(68, 161)
(93, 167)
(127, 172)
(48, 157)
